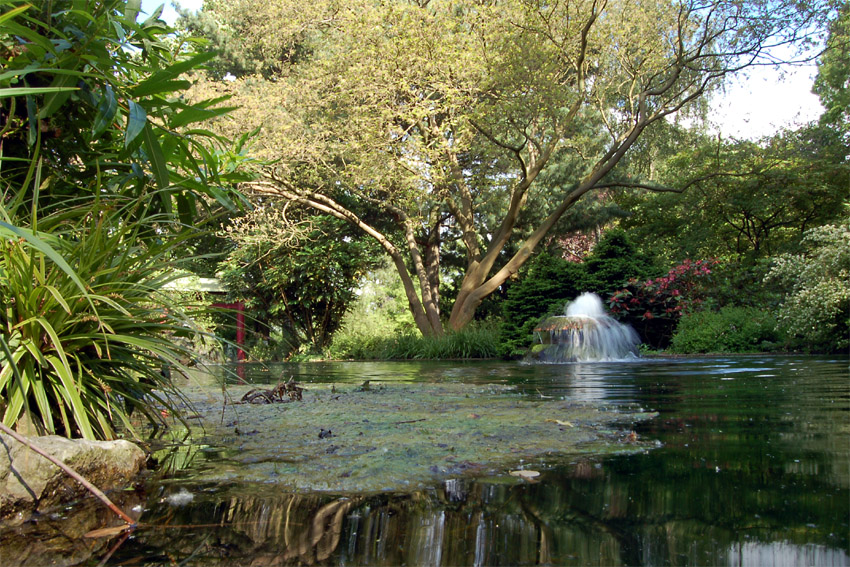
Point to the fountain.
(585, 333)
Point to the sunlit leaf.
(155, 82)
(132, 9)
(14, 12)
(20, 91)
(137, 119)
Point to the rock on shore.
(29, 482)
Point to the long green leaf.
(10, 370)
(161, 87)
(137, 119)
(156, 157)
(132, 9)
(21, 91)
(14, 28)
(71, 394)
(106, 109)
(54, 100)
(14, 12)
(58, 297)
(154, 82)
(192, 115)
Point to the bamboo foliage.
(105, 177)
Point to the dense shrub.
(614, 261)
(544, 289)
(816, 308)
(654, 307)
(732, 329)
(104, 182)
(729, 279)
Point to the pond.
(749, 465)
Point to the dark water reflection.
(754, 469)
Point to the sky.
(755, 105)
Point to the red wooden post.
(240, 330)
(240, 326)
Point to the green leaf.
(154, 83)
(14, 28)
(153, 18)
(20, 91)
(106, 109)
(14, 12)
(136, 122)
(191, 115)
(132, 9)
(157, 160)
(161, 87)
(185, 210)
(58, 297)
(62, 90)
(70, 391)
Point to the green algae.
(393, 436)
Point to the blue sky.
(168, 14)
(753, 105)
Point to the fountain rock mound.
(585, 333)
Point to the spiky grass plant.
(84, 326)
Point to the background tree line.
(460, 139)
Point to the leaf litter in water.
(391, 436)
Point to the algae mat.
(393, 436)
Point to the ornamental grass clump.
(85, 329)
(104, 178)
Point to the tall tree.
(442, 115)
(832, 84)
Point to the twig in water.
(131, 523)
(542, 396)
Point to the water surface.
(752, 468)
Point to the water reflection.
(754, 469)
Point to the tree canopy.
(441, 116)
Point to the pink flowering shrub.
(654, 307)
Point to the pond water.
(752, 467)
